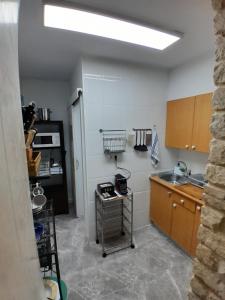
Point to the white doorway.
(78, 159)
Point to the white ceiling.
(52, 53)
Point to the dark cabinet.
(52, 173)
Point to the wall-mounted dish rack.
(114, 141)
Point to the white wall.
(195, 77)
(76, 79)
(121, 96)
(54, 95)
(77, 82)
(20, 270)
(118, 96)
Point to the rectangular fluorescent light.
(99, 25)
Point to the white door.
(78, 165)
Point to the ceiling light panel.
(107, 27)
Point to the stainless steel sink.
(173, 178)
(169, 176)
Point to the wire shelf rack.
(47, 244)
(114, 141)
(114, 222)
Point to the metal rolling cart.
(114, 222)
(47, 244)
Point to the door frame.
(83, 152)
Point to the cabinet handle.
(174, 205)
(198, 207)
(186, 146)
(182, 201)
(169, 193)
(193, 147)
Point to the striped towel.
(154, 150)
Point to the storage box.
(34, 164)
(29, 153)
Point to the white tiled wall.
(119, 96)
(196, 161)
(122, 96)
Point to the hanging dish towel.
(154, 150)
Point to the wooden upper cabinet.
(179, 123)
(201, 134)
(188, 121)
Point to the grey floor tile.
(124, 294)
(163, 288)
(146, 235)
(94, 284)
(155, 270)
(73, 295)
(128, 271)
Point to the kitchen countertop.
(188, 190)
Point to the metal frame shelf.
(114, 222)
(47, 244)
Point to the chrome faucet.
(183, 167)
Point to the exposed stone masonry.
(208, 281)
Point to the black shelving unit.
(47, 244)
(55, 185)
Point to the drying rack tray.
(114, 141)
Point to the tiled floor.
(155, 270)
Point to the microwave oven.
(46, 139)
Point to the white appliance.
(46, 139)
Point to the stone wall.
(208, 281)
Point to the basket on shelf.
(34, 163)
(114, 141)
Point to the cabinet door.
(195, 230)
(202, 117)
(182, 226)
(179, 124)
(160, 207)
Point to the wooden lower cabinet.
(161, 207)
(176, 216)
(182, 226)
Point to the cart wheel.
(132, 246)
(104, 254)
(97, 241)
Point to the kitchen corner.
(175, 208)
(120, 123)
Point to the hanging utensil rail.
(142, 129)
(141, 133)
(109, 130)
